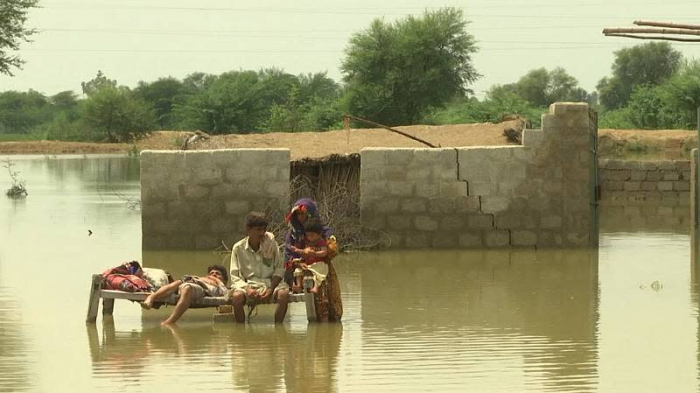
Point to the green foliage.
(471, 110)
(397, 73)
(646, 64)
(98, 83)
(116, 115)
(617, 119)
(22, 111)
(162, 95)
(542, 88)
(18, 137)
(62, 128)
(13, 16)
(681, 95)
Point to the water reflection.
(671, 216)
(258, 358)
(481, 309)
(15, 368)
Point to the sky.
(143, 40)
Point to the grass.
(18, 137)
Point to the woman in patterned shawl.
(328, 301)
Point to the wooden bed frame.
(109, 295)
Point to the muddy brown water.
(620, 318)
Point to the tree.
(541, 88)
(22, 111)
(97, 83)
(162, 95)
(396, 73)
(116, 115)
(646, 64)
(13, 16)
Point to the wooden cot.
(109, 295)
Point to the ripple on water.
(15, 374)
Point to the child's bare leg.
(161, 293)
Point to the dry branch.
(655, 37)
(634, 30)
(666, 24)
(370, 122)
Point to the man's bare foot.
(314, 290)
(167, 322)
(296, 288)
(147, 304)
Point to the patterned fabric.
(127, 277)
(328, 301)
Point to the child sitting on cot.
(313, 258)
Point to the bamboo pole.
(654, 37)
(634, 30)
(346, 116)
(666, 24)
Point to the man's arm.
(236, 280)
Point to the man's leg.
(239, 300)
(183, 303)
(162, 293)
(282, 301)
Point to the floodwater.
(623, 318)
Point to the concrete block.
(387, 206)
(224, 190)
(414, 205)
(648, 186)
(451, 205)
(665, 186)
(395, 173)
(533, 138)
(442, 157)
(372, 157)
(237, 207)
(632, 185)
(550, 222)
(654, 175)
(223, 225)
(482, 188)
(208, 209)
(444, 240)
(452, 223)
(614, 185)
(577, 238)
(492, 204)
(523, 238)
(156, 209)
(671, 175)
(638, 175)
(274, 189)
(453, 189)
(401, 189)
(685, 175)
(418, 174)
(681, 186)
(179, 208)
(614, 164)
(417, 240)
(569, 108)
(194, 192)
(616, 175)
(206, 175)
(425, 223)
(667, 165)
(482, 221)
(206, 242)
(470, 239)
(399, 222)
(399, 157)
(374, 221)
(497, 238)
(649, 165)
(427, 190)
(507, 220)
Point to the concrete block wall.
(531, 195)
(197, 199)
(644, 180)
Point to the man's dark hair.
(313, 225)
(255, 219)
(221, 269)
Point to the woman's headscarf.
(296, 228)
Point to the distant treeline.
(416, 70)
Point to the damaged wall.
(538, 194)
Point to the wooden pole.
(346, 116)
(653, 37)
(666, 24)
(634, 30)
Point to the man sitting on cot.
(257, 270)
(190, 289)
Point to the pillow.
(156, 277)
